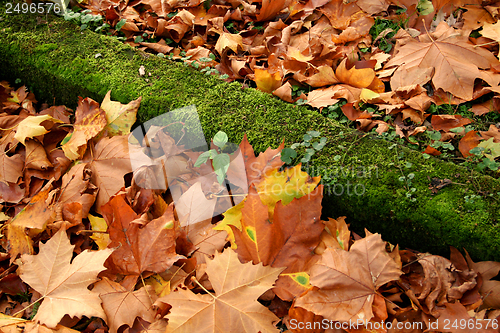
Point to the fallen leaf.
(63, 285)
(119, 117)
(348, 280)
(454, 60)
(139, 248)
(122, 306)
(445, 122)
(267, 81)
(31, 126)
(90, 119)
(237, 287)
(193, 206)
(109, 163)
(230, 41)
(468, 142)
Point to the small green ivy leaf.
(287, 154)
(314, 133)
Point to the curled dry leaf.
(139, 248)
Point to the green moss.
(46, 47)
(86, 64)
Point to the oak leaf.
(237, 287)
(348, 280)
(63, 285)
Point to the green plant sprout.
(311, 139)
(220, 160)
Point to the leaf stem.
(199, 284)
(31, 304)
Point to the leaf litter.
(144, 266)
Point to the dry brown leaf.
(348, 280)
(139, 248)
(63, 285)
(454, 60)
(237, 287)
(122, 306)
(193, 206)
(109, 163)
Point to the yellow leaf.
(266, 81)
(285, 186)
(90, 120)
(120, 117)
(161, 287)
(367, 95)
(99, 224)
(231, 217)
(30, 127)
(491, 149)
(228, 40)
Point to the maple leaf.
(10, 324)
(275, 186)
(90, 119)
(453, 59)
(468, 142)
(109, 163)
(31, 126)
(288, 240)
(63, 285)
(237, 287)
(35, 217)
(230, 41)
(120, 117)
(348, 280)
(445, 122)
(193, 207)
(267, 81)
(270, 8)
(140, 248)
(123, 306)
(256, 167)
(491, 31)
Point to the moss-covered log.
(58, 63)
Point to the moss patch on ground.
(58, 63)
